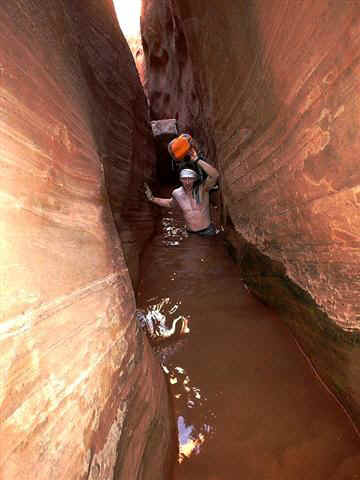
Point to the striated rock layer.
(119, 119)
(278, 87)
(80, 394)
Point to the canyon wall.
(174, 85)
(80, 393)
(276, 86)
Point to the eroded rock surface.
(276, 86)
(124, 140)
(76, 376)
(173, 83)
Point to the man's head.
(187, 178)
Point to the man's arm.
(212, 172)
(161, 202)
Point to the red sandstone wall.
(280, 92)
(173, 83)
(282, 88)
(75, 373)
(124, 141)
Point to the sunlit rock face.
(279, 89)
(124, 141)
(80, 394)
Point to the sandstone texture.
(173, 83)
(276, 86)
(81, 396)
(120, 123)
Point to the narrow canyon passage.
(271, 95)
(246, 403)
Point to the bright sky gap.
(128, 13)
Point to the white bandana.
(187, 173)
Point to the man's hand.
(148, 193)
(193, 154)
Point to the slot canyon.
(270, 91)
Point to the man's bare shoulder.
(177, 192)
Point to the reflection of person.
(193, 195)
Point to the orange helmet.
(180, 146)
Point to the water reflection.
(239, 362)
(157, 323)
(162, 316)
(187, 443)
(192, 435)
(171, 233)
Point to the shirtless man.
(192, 197)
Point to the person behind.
(193, 195)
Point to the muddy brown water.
(246, 403)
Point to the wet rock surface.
(277, 89)
(80, 393)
